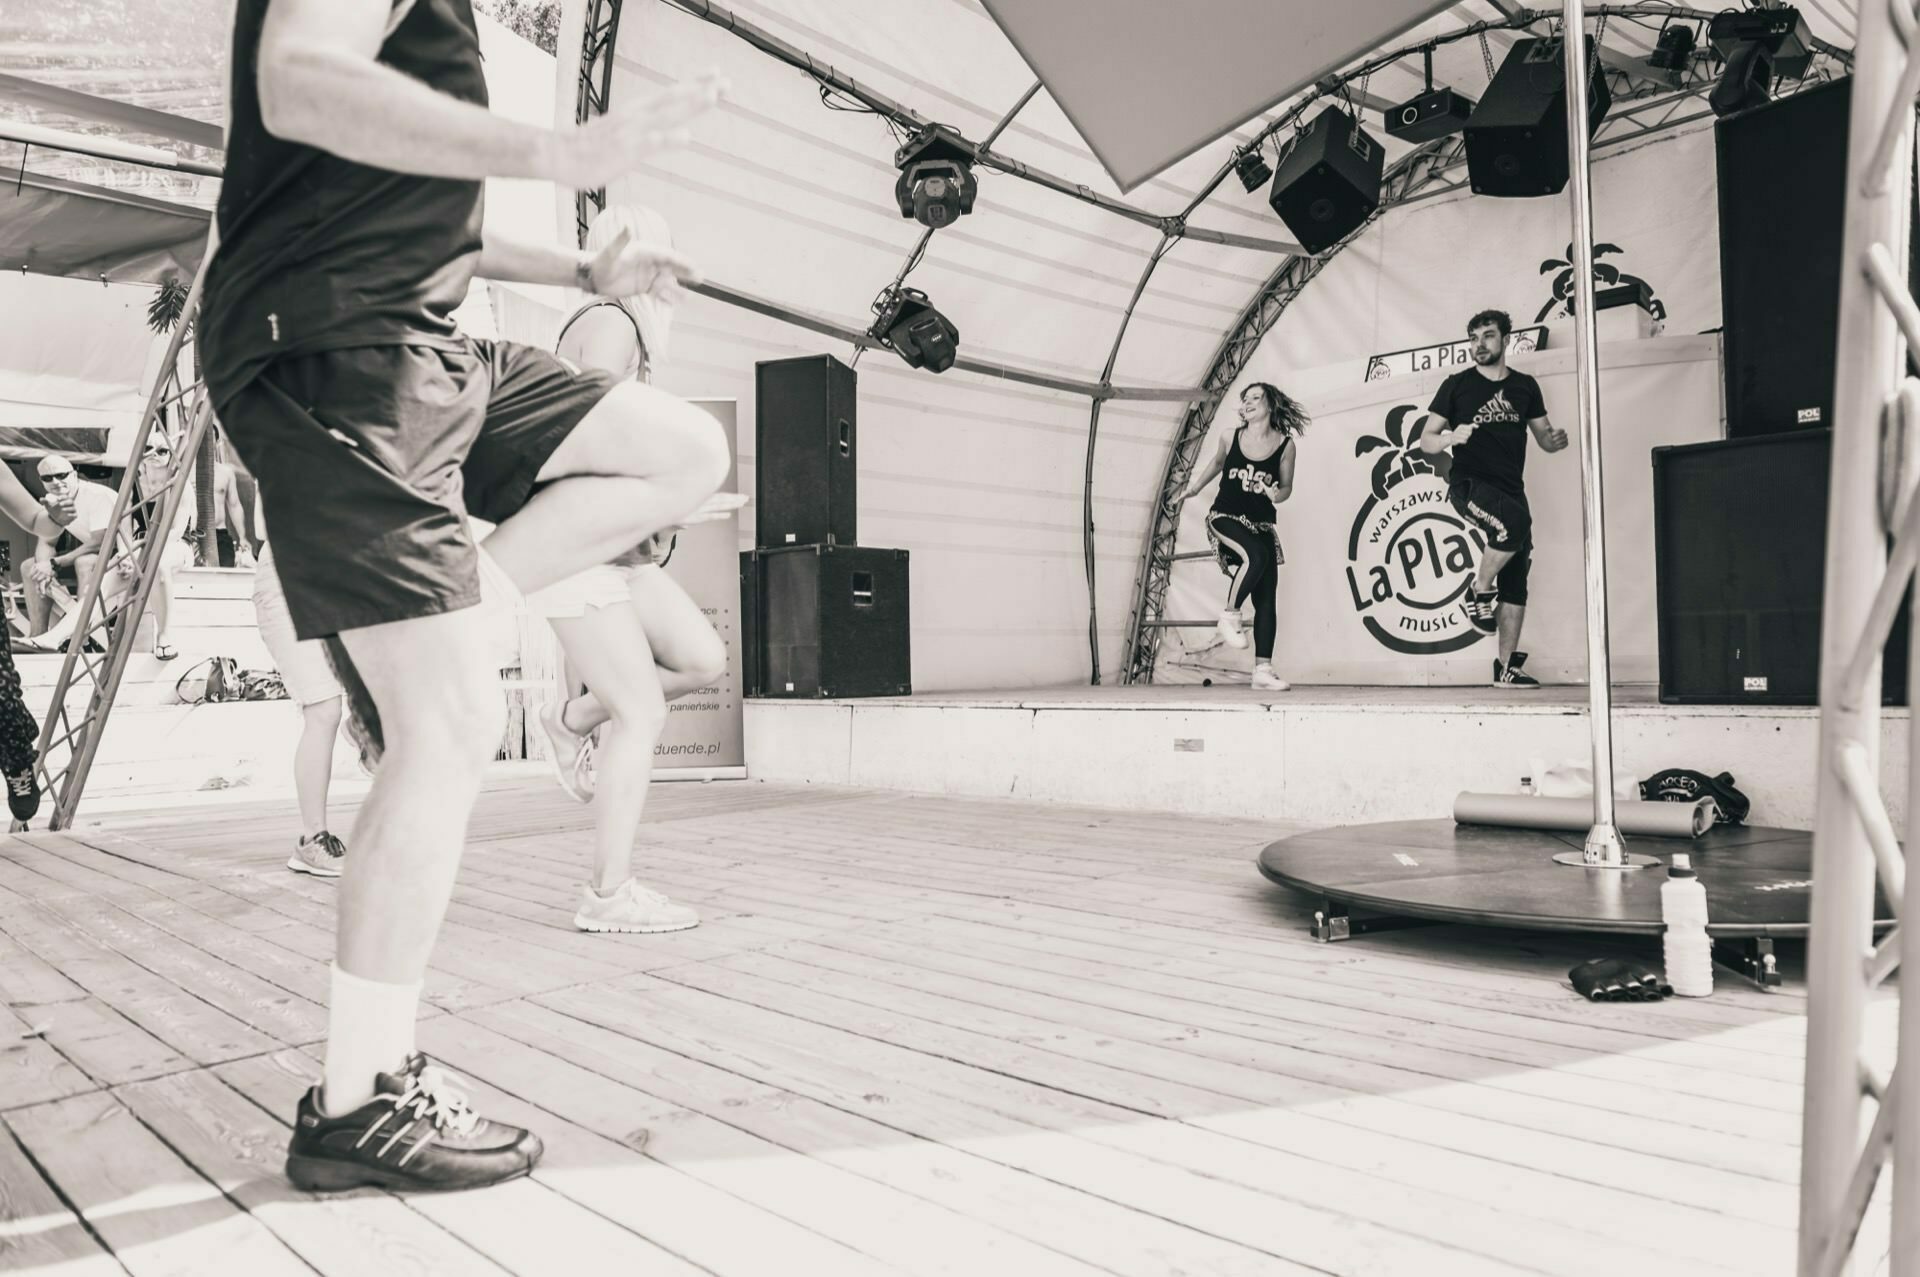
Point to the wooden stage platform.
(915, 1035)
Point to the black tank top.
(1247, 487)
(320, 253)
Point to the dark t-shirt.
(1497, 452)
(320, 253)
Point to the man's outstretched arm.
(321, 84)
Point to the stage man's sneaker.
(1511, 675)
(1479, 609)
(417, 1134)
(1265, 680)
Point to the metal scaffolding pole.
(1853, 837)
(1603, 847)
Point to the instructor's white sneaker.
(1265, 680)
(321, 855)
(632, 908)
(1230, 629)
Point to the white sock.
(369, 1031)
(1264, 665)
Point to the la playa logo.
(1410, 557)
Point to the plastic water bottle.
(1683, 907)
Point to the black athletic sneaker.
(23, 794)
(1479, 609)
(416, 1134)
(1511, 675)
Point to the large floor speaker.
(828, 621)
(805, 487)
(1740, 543)
(1517, 137)
(1782, 175)
(1328, 182)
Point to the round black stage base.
(1758, 881)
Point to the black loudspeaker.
(1740, 546)
(752, 675)
(1328, 182)
(1783, 175)
(804, 464)
(1516, 138)
(830, 620)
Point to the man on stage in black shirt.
(350, 227)
(1484, 414)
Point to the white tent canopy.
(785, 198)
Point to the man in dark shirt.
(1484, 414)
(350, 227)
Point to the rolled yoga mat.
(1575, 815)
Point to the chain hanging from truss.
(106, 615)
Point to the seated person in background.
(92, 511)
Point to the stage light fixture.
(1252, 168)
(1781, 30)
(936, 186)
(1747, 82)
(909, 326)
(1674, 49)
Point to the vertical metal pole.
(1603, 840)
(1868, 365)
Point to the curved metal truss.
(601, 36)
(1645, 103)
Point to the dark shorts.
(369, 458)
(1507, 523)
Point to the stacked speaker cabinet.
(820, 615)
(1516, 138)
(829, 621)
(1740, 547)
(805, 480)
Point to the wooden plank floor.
(913, 1035)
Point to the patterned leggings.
(19, 734)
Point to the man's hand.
(1554, 439)
(1460, 434)
(624, 269)
(63, 508)
(614, 145)
(127, 565)
(40, 572)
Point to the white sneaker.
(1231, 632)
(1265, 680)
(632, 907)
(568, 750)
(321, 855)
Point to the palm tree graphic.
(1402, 459)
(1604, 274)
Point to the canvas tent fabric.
(784, 197)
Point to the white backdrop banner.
(1377, 561)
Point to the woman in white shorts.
(310, 684)
(630, 633)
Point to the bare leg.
(688, 653)
(313, 762)
(162, 600)
(1511, 617)
(1490, 565)
(440, 706)
(638, 461)
(37, 603)
(609, 648)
